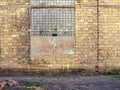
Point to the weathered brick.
(89, 24)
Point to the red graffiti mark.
(47, 48)
(55, 50)
(41, 49)
(51, 48)
(70, 44)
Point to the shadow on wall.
(52, 72)
(0, 51)
(35, 72)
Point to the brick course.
(91, 18)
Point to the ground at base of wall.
(71, 82)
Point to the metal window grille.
(52, 18)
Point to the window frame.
(54, 6)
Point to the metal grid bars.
(52, 21)
(53, 2)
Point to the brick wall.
(86, 33)
(96, 39)
(14, 36)
(109, 28)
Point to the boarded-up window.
(52, 27)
